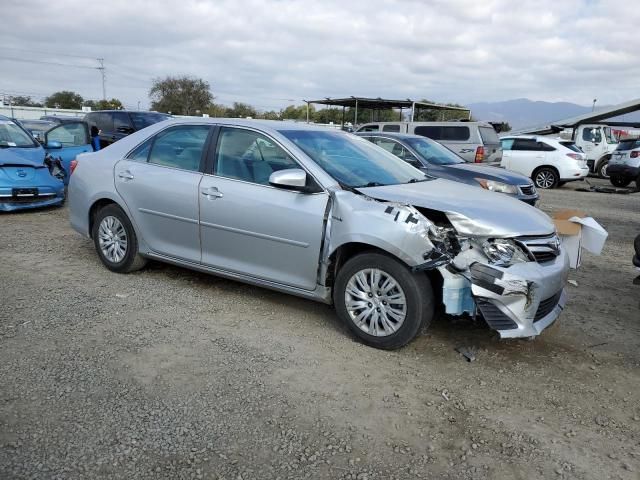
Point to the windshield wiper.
(416, 180)
(371, 184)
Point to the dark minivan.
(117, 124)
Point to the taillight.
(575, 156)
(479, 155)
(72, 166)
(635, 153)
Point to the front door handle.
(126, 175)
(212, 193)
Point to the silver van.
(475, 142)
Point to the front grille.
(541, 249)
(527, 189)
(546, 306)
(494, 317)
(26, 199)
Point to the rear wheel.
(619, 181)
(115, 240)
(382, 302)
(546, 178)
(602, 169)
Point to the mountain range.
(522, 112)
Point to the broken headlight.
(503, 252)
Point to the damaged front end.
(516, 284)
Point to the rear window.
(488, 135)
(628, 144)
(391, 128)
(571, 146)
(143, 120)
(369, 128)
(452, 133)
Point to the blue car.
(26, 180)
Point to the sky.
(273, 53)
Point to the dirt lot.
(167, 373)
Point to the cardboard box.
(577, 231)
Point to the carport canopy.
(382, 104)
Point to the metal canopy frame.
(374, 104)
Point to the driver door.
(251, 228)
(74, 138)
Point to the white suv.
(549, 163)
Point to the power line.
(47, 63)
(46, 53)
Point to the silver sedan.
(321, 214)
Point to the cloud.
(271, 52)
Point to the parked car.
(37, 128)
(60, 118)
(545, 160)
(440, 162)
(114, 125)
(475, 142)
(624, 166)
(25, 180)
(325, 215)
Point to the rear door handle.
(126, 175)
(212, 193)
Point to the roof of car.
(276, 125)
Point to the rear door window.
(180, 147)
(526, 144)
(122, 122)
(391, 128)
(459, 133)
(369, 128)
(104, 121)
(488, 135)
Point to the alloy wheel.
(545, 179)
(112, 239)
(375, 302)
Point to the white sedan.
(548, 162)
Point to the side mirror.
(53, 144)
(290, 178)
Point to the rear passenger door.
(251, 228)
(159, 183)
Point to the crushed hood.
(472, 211)
(28, 157)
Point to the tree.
(241, 110)
(113, 104)
(64, 99)
(23, 101)
(293, 112)
(270, 115)
(180, 95)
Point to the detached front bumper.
(523, 299)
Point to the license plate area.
(24, 192)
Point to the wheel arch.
(347, 250)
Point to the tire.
(546, 178)
(638, 183)
(602, 169)
(117, 227)
(619, 181)
(390, 330)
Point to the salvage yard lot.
(168, 373)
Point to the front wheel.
(382, 302)
(546, 178)
(115, 240)
(619, 181)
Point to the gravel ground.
(168, 373)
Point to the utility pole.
(593, 107)
(101, 68)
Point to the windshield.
(608, 135)
(352, 161)
(143, 120)
(489, 135)
(11, 135)
(433, 152)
